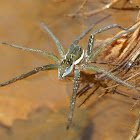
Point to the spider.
(75, 59)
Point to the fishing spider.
(75, 59)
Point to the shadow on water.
(37, 108)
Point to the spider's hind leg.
(92, 36)
(99, 49)
(95, 68)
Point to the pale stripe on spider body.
(74, 57)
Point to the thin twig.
(135, 129)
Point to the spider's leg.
(49, 55)
(90, 48)
(98, 50)
(95, 68)
(58, 44)
(82, 35)
(75, 42)
(92, 36)
(73, 99)
(108, 27)
(45, 67)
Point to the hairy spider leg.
(82, 35)
(49, 55)
(75, 42)
(73, 99)
(89, 50)
(58, 44)
(98, 50)
(95, 68)
(76, 76)
(45, 67)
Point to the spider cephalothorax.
(65, 68)
(74, 59)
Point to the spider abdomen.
(76, 54)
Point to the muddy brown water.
(36, 108)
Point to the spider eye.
(65, 68)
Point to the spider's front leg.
(95, 68)
(73, 99)
(23, 76)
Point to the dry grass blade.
(124, 52)
(107, 6)
(135, 129)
